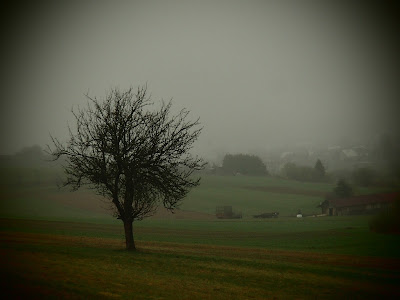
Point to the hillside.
(31, 191)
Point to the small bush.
(343, 189)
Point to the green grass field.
(82, 260)
(24, 195)
(57, 244)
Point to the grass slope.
(255, 195)
(31, 192)
(341, 235)
(39, 265)
(251, 195)
(56, 244)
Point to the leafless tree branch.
(134, 156)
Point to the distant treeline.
(361, 176)
(29, 166)
(304, 173)
(241, 164)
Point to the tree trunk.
(130, 242)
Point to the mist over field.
(259, 74)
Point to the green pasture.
(250, 195)
(27, 191)
(53, 259)
(60, 244)
(335, 235)
(41, 202)
(32, 192)
(254, 195)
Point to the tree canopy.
(304, 173)
(244, 164)
(342, 189)
(134, 156)
(319, 169)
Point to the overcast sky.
(257, 73)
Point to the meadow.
(58, 244)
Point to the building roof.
(365, 199)
(350, 153)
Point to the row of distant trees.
(362, 176)
(365, 176)
(244, 164)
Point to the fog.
(259, 74)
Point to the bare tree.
(135, 157)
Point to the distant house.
(355, 153)
(288, 155)
(348, 154)
(364, 204)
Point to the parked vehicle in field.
(226, 212)
(267, 215)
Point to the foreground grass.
(208, 260)
(61, 266)
(334, 235)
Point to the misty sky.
(257, 73)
